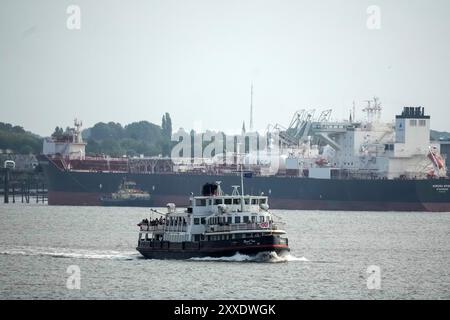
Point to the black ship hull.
(224, 248)
(86, 188)
(126, 203)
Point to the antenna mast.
(242, 176)
(251, 108)
(354, 109)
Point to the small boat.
(213, 225)
(128, 195)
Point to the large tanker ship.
(324, 165)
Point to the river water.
(332, 257)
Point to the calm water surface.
(331, 252)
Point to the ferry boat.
(213, 225)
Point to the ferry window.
(197, 237)
(254, 201)
(203, 221)
(236, 201)
(228, 201)
(210, 202)
(413, 122)
(247, 201)
(238, 236)
(248, 235)
(262, 201)
(245, 219)
(200, 202)
(253, 219)
(237, 219)
(261, 219)
(217, 201)
(196, 221)
(422, 123)
(229, 220)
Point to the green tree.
(166, 129)
(102, 131)
(166, 126)
(58, 132)
(18, 140)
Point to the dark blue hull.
(86, 188)
(126, 203)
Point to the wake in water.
(271, 257)
(70, 253)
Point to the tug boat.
(213, 225)
(128, 195)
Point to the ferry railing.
(242, 226)
(159, 227)
(162, 227)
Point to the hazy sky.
(134, 60)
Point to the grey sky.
(134, 60)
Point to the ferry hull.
(225, 248)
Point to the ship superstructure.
(69, 145)
(366, 149)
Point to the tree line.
(135, 139)
(16, 140)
